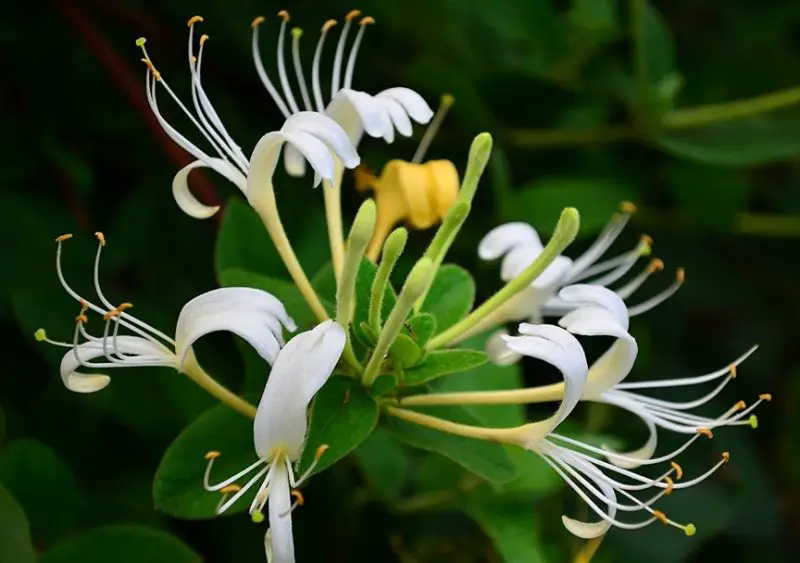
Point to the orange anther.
(367, 20)
(327, 25)
(284, 15)
(732, 368)
(678, 469)
(680, 275)
(298, 496)
(81, 319)
(258, 21)
(101, 237)
(765, 397)
(320, 451)
(124, 306)
(628, 207)
(739, 406)
(670, 485)
(84, 306)
(705, 432)
(203, 38)
(230, 489)
(660, 516)
(213, 454)
(62, 238)
(646, 240)
(655, 265)
(726, 457)
(352, 14)
(193, 20)
(110, 314)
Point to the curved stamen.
(351, 60)
(41, 336)
(604, 240)
(211, 456)
(304, 477)
(680, 276)
(611, 263)
(262, 72)
(337, 62)
(315, 68)
(298, 67)
(617, 273)
(287, 89)
(261, 497)
(655, 265)
(230, 502)
(679, 405)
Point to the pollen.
(741, 405)
(655, 265)
(628, 207)
(258, 21)
(690, 529)
(327, 25)
(193, 20)
(230, 489)
(40, 335)
(321, 451)
(141, 41)
(765, 397)
(352, 14)
(680, 275)
(284, 15)
(705, 432)
(367, 21)
(726, 457)
(298, 497)
(678, 469)
(661, 516)
(101, 237)
(753, 421)
(203, 38)
(257, 516)
(64, 237)
(733, 371)
(213, 454)
(670, 485)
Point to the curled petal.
(590, 530)
(499, 353)
(504, 238)
(357, 112)
(183, 195)
(587, 294)
(412, 103)
(326, 130)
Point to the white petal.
(326, 130)
(262, 164)
(280, 514)
(590, 530)
(294, 162)
(91, 382)
(644, 453)
(413, 104)
(253, 314)
(357, 112)
(183, 195)
(587, 294)
(398, 116)
(501, 239)
(300, 370)
(498, 352)
(315, 152)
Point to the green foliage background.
(590, 102)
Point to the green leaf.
(36, 475)
(423, 326)
(324, 282)
(659, 46)
(485, 459)
(243, 242)
(15, 536)
(451, 296)
(342, 416)
(444, 362)
(284, 290)
(513, 528)
(384, 383)
(384, 464)
(405, 351)
(178, 484)
(122, 544)
(540, 202)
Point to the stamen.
(193, 20)
(262, 72)
(297, 33)
(655, 265)
(287, 90)
(706, 432)
(230, 489)
(101, 237)
(726, 457)
(670, 485)
(62, 238)
(315, 68)
(337, 62)
(660, 516)
(628, 207)
(304, 477)
(213, 454)
(444, 105)
(258, 21)
(81, 319)
(244, 490)
(351, 61)
(739, 406)
(602, 243)
(284, 15)
(678, 470)
(765, 397)
(680, 277)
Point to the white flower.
(279, 433)
(519, 245)
(255, 315)
(314, 136)
(355, 111)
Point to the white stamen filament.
(604, 240)
(231, 480)
(625, 267)
(298, 67)
(606, 265)
(337, 62)
(287, 89)
(629, 288)
(262, 72)
(351, 60)
(660, 298)
(315, 69)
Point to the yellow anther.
(678, 470)
(646, 240)
(230, 489)
(84, 306)
(40, 335)
(321, 451)
(765, 397)
(352, 14)
(660, 516)
(733, 371)
(327, 25)
(203, 38)
(193, 20)
(213, 454)
(123, 306)
(367, 20)
(741, 405)
(753, 421)
(111, 314)
(655, 265)
(194, 59)
(141, 41)
(258, 21)
(628, 207)
(101, 237)
(689, 529)
(706, 432)
(680, 275)
(670, 485)
(297, 33)
(298, 497)
(726, 457)
(62, 238)
(257, 516)
(82, 319)
(284, 15)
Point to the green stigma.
(40, 335)
(690, 529)
(753, 421)
(297, 32)
(257, 516)
(140, 42)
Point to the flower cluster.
(540, 284)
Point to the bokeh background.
(689, 108)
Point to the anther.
(320, 451)
(646, 240)
(670, 485)
(726, 457)
(123, 306)
(230, 489)
(62, 238)
(367, 21)
(193, 20)
(111, 314)
(141, 41)
(655, 265)
(40, 335)
(352, 14)
(690, 529)
(82, 319)
(257, 516)
(628, 207)
(705, 432)
(733, 370)
(661, 516)
(678, 469)
(284, 15)
(203, 38)
(101, 237)
(298, 497)
(258, 21)
(327, 25)
(680, 275)
(741, 405)
(213, 454)
(765, 397)
(753, 421)
(84, 305)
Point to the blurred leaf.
(324, 282)
(384, 464)
(15, 537)
(659, 46)
(451, 296)
(243, 242)
(423, 326)
(594, 14)
(513, 528)
(342, 416)
(405, 351)
(540, 202)
(35, 475)
(284, 290)
(533, 474)
(178, 484)
(444, 362)
(485, 459)
(122, 544)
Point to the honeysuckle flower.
(312, 135)
(279, 434)
(379, 115)
(252, 314)
(597, 481)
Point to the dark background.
(578, 119)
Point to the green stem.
(193, 371)
(565, 232)
(392, 249)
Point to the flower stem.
(565, 232)
(392, 249)
(332, 193)
(193, 371)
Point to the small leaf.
(485, 459)
(513, 527)
(405, 351)
(342, 416)
(444, 362)
(421, 327)
(284, 290)
(178, 484)
(122, 544)
(384, 383)
(383, 463)
(451, 296)
(243, 242)
(15, 535)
